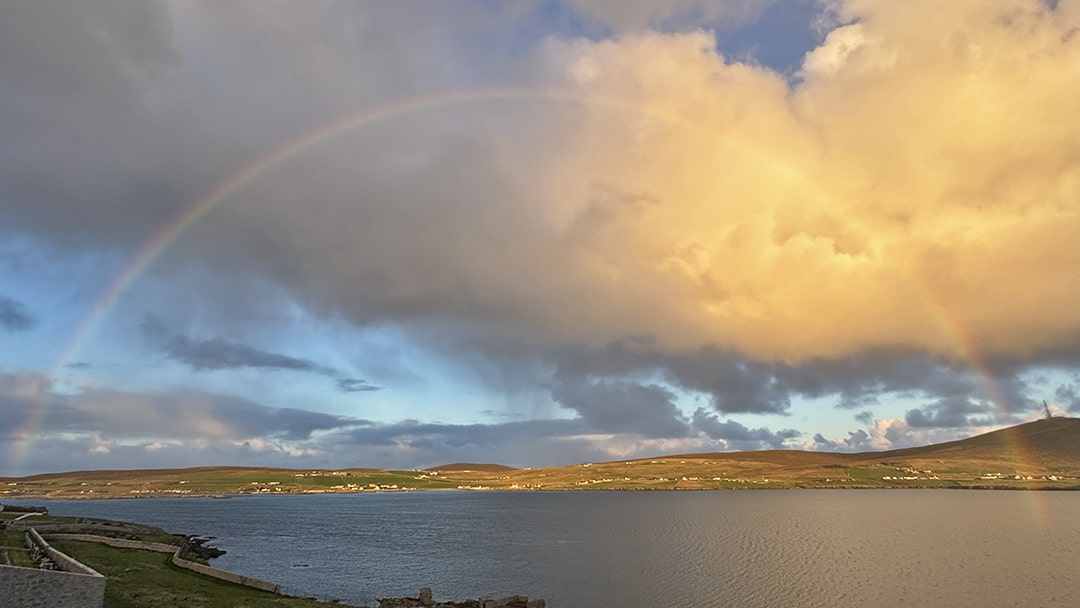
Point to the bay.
(629, 549)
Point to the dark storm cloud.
(738, 436)
(82, 152)
(736, 384)
(118, 115)
(14, 316)
(857, 379)
(355, 385)
(183, 415)
(951, 412)
(623, 407)
(218, 354)
(1068, 397)
(858, 441)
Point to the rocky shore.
(425, 600)
(196, 545)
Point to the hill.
(1043, 441)
(1044, 454)
(473, 466)
(1040, 448)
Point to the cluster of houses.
(911, 474)
(267, 487)
(1019, 477)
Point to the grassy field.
(210, 481)
(145, 579)
(13, 543)
(1044, 454)
(137, 578)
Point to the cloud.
(737, 436)
(21, 394)
(1068, 397)
(735, 384)
(768, 200)
(99, 428)
(859, 441)
(770, 193)
(633, 15)
(623, 407)
(180, 415)
(949, 413)
(900, 213)
(14, 316)
(218, 354)
(88, 452)
(356, 385)
(897, 433)
(531, 442)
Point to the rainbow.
(968, 351)
(223, 190)
(231, 184)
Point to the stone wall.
(176, 559)
(224, 575)
(62, 561)
(33, 588)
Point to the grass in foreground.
(13, 542)
(145, 579)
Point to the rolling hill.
(1044, 454)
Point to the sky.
(402, 234)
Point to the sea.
(754, 548)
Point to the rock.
(537, 603)
(399, 602)
(196, 545)
(427, 601)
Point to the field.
(145, 579)
(137, 578)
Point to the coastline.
(1072, 486)
(1038, 455)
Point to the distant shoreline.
(1003, 488)
(1039, 455)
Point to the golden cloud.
(917, 186)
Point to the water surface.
(628, 549)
